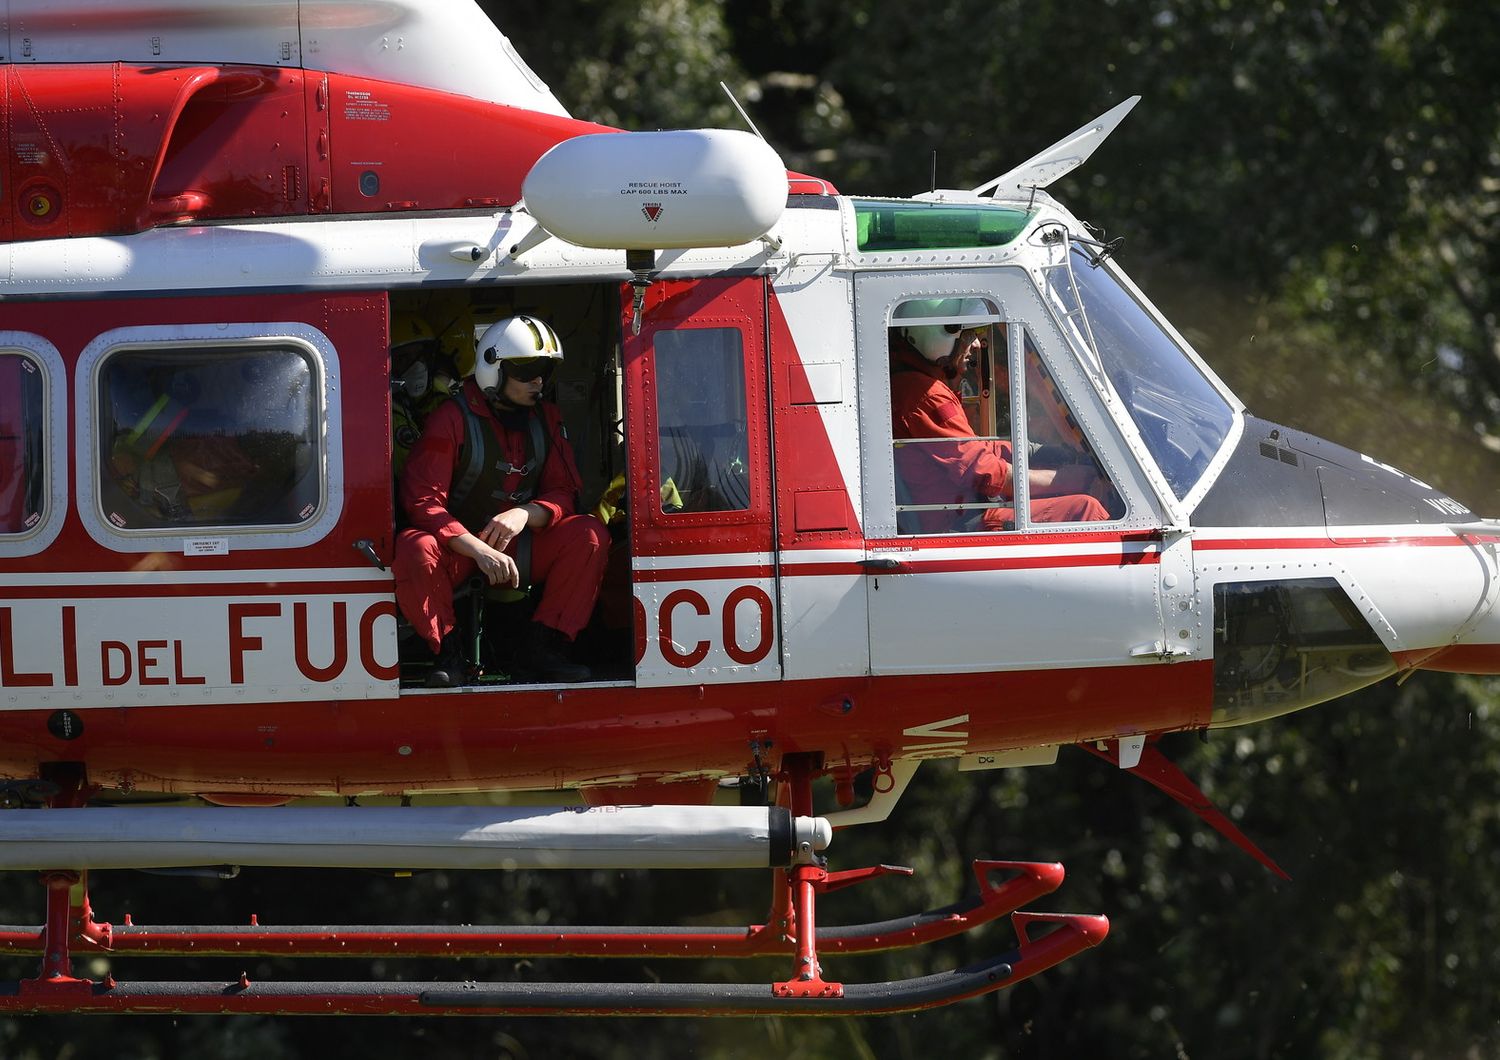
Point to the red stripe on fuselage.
(117, 592)
(551, 738)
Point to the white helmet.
(936, 341)
(510, 346)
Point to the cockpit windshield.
(1181, 416)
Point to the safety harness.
(479, 483)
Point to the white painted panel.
(826, 381)
(158, 648)
(701, 631)
(978, 620)
(825, 631)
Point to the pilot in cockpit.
(927, 363)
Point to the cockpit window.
(1181, 417)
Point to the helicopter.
(217, 218)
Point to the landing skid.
(1045, 939)
(791, 929)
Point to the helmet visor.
(528, 368)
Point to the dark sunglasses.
(526, 369)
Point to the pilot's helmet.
(518, 347)
(413, 343)
(457, 341)
(409, 329)
(935, 342)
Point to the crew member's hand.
(497, 567)
(500, 531)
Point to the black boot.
(544, 658)
(450, 668)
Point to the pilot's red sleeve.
(428, 475)
(923, 406)
(559, 484)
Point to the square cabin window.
(702, 420)
(23, 487)
(224, 437)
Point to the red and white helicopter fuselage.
(252, 191)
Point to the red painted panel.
(1457, 659)
(98, 149)
(7, 176)
(736, 302)
(355, 324)
(112, 148)
(395, 147)
(807, 472)
(545, 739)
(236, 148)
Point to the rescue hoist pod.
(658, 190)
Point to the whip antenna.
(741, 109)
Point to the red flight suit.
(567, 555)
(924, 405)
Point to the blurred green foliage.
(1309, 190)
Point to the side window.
(954, 443)
(208, 436)
(950, 417)
(23, 415)
(1068, 484)
(702, 420)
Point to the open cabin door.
(703, 575)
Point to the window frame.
(1022, 310)
(214, 538)
(49, 362)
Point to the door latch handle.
(882, 563)
(366, 548)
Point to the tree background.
(1309, 190)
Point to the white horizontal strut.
(636, 837)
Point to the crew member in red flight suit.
(925, 361)
(492, 482)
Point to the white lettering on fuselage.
(939, 739)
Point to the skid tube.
(1046, 939)
(1069, 934)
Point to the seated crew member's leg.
(426, 573)
(567, 561)
(1074, 508)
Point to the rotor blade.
(1062, 157)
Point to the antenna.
(934, 169)
(741, 109)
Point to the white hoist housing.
(658, 190)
